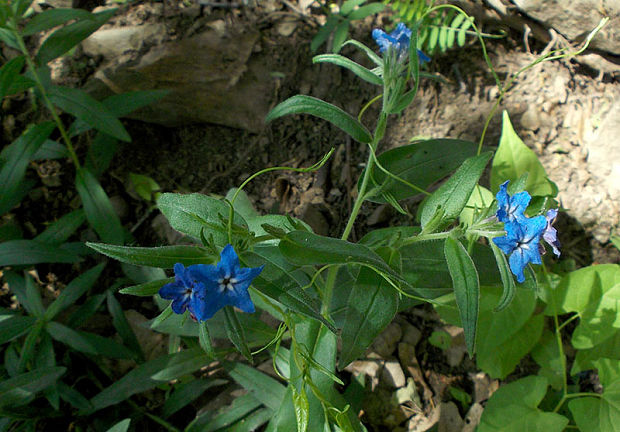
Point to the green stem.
(46, 100)
(359, 200)
(427, 237)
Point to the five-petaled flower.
(204, 289)
(511, 208)
(398, 40)
(521, 243)
(522, 239)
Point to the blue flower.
(521, 242)
(550, 235)
(182, 290)
(511, 208)
(399, 40)
(224, 284)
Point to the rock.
(577, 18)
(422, 423)
(393, 374)
(382, 214)
(287, 26)
(472, 419)
(113, 42)
(530, 119)
(604, 151)
(484, 386)
(449, 418)
(411, 334)
(369, 367)
(213, 77)
(457, 349)
(385, 343)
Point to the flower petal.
(244, 302)
(247, 274)
(180, 304)
(517, 263)
(181, 275)
(205, 273)
(206, 302)
(172, 290)
(229, 261)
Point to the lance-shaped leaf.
(92, 112)
(466, 288)
(15, 159)
(309, 105)
(162, 257)
(349, 64)
(53, 18)
(21, 389)
(420, 164)
(73, 291)
(25, 252)
(453, 195)
(59, 231)
(65, 38)
(304, 248)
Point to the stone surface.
(212, 76)
(385, 343)
(472, 418)
(449, 418)
(577, 18)
(393, 375)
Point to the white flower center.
(227, 283)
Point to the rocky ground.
(229, 66)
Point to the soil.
(555, 107)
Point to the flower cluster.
(204, 289)
(522, 239)
(398, 41)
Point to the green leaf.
(370, 53)
(588, 358)
(547, 354)
(26, 252)
(366, 11)
(262, 386)
(513, 159)
(29, 346)
(599, 320)
(33, 296)
(477, 206)
(349, 64)
(191, 362)
(452, 196)
(9, 73)
(52, 18)
(98, 208)
(237, 412)
(65, 38)
(73, 397)
(100, 153)
(304, 248)
(323, 33)
(466, 288)
(120, 105)
(145, 186)
(184, 394)
(371, 306)
(14, 326)
(514, 407)
(137, 381)
(120, 323)
(340, 35)
(88, 343)
(73, 291)
(59, 231)
(121, 426)
(349, 5)
(503, 337)
(421, 164)
(162, 257)
(51, 150)
(92, 112)
(15, 159)
(600, 414)
(309, 105)
(21, 389)
(282, 282)
(204, 339)
(191, 213)
(507, 280)
(234, 331)
(579, 289)
(146, 289)
(302, 408)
